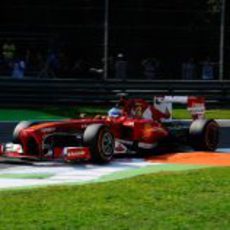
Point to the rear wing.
(195, 105)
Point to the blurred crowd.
(59, 63)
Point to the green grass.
(46, 113)
(75, 111)
(213, 113)
(18, 114)
(26, 176)
(197, 199)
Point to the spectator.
(188, 70)
(8, 51)
(18, 68)
(37, 62)
(150, 65)
(207, 69)
(81, 66)
(51, 66)
(120, 67)
(1, 64)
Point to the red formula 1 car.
(98, 139)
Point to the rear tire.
(204, 135)
(100, 141)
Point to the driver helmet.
(114, 112)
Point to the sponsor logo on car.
(48, 130)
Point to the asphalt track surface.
(6, 130)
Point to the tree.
(214, 6)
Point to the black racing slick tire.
(20, 126)
(204, 135)
(100, 141)
(31, 144)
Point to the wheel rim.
(107, 144)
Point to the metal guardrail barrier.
(36, 92)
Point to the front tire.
(204, 135)
(100, 141)
(20, 126)
(32, 145)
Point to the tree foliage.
(214, 6)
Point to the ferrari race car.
(99, 138)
